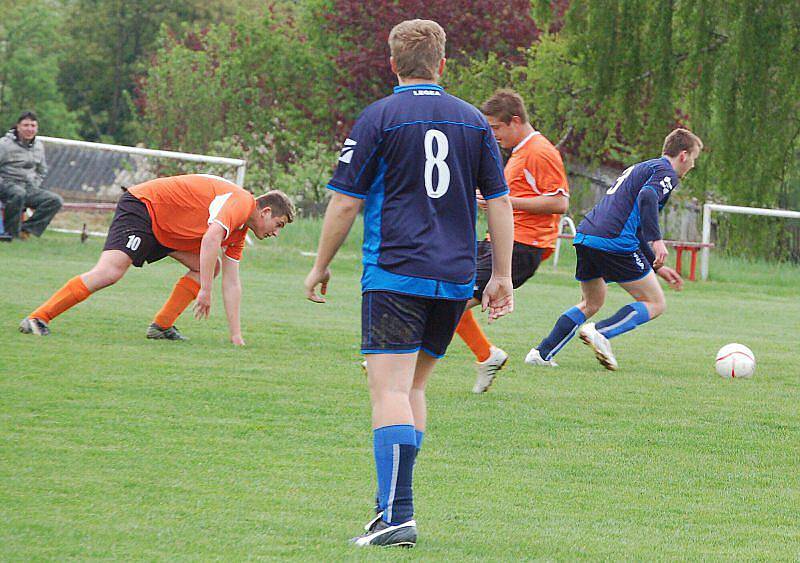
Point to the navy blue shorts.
(620, 268)
(525, 260)
(394, 323)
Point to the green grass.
(116, 447)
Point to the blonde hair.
(681, 140)
(417, 46)
(279, 204)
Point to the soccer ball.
(735, 360)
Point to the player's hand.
(660, 250)
(237, 340)
(202, 306)
(498, 297)
(672, 277)
(480, 200)
(314, 278)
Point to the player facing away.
(189, 218)
(613, 244)
(415, 157)
(539, 194)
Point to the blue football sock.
(627, 318)
(395, 449)
(562, 332)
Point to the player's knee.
(589, 309)
(656, 308)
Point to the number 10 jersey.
(417, 157)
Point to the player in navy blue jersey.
(618, 241)
(415, 158)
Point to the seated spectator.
(22, 169)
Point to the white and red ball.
(735, 361)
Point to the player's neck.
(415, 81)
(524, 132)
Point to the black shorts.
(394, 323)
(131, 231)
(620, 268)
(524, 262)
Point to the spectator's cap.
(27, 114)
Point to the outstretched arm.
(209, 249)
(339, 217)
(232, 297)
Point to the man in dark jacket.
(22, 169)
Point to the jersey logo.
(347, 151)
(427, 93)
(666, 183)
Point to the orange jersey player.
(190, 218)
(539, 194)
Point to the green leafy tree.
(29, 47)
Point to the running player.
(189, 218)
(618, 241)
(539, 193)
(415, 157)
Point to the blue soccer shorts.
(394, 323)
(612, 267)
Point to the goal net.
(90, 176)
(761, 226)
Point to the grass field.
(116, 447)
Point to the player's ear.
(393, 65)
(266, 212)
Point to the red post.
(678, 253)
(694, 263)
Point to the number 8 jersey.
(416, 157)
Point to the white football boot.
(600, 344)
(487, 369)
(534, 358)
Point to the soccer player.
(618, 241)
(539, 194)
(415, 157)
(189, 218)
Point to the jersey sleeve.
(491, 181)
(235, 247)
(358, 159)
(548, 171)
(230, 210)
(648, 212)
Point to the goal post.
(708, 208)
(239, 164)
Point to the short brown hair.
(417, 46)
(505, 104)
(278, 202)
(681, 140)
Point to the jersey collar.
(398, 89)
(525, 140)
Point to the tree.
(108, 41)
(29, 47)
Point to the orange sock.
(72, 293)
(184, 292)
(471, 333)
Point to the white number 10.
(436, 161)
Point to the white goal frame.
(239, 164)
(708, 208)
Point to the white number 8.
(436, 161)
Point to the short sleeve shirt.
(417, 157)
(182, 207)
(535, 169)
